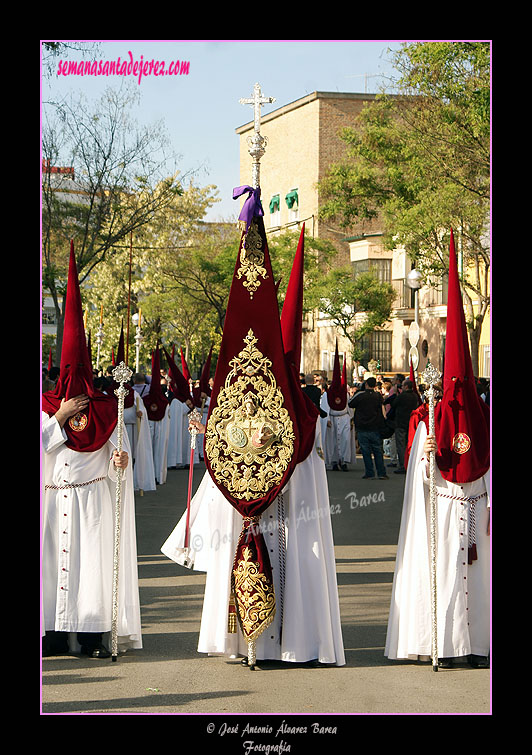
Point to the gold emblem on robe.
(78, 422)
(461, 443)
(249, 438)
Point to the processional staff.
(431, 376)
(121, 375)
(257, 142)
(257, 147)
(194, 416)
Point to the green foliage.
(420, 163)
(356, 304)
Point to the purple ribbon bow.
(252, 205)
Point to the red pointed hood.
(291, 328)
(184, 366)
(155, 401)
(178, 385)
(292, 314)
(337, 391)
(461, 417)
(91, 429)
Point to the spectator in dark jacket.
(402, 407)
(369, 419)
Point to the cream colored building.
(302, 142)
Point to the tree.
(118, 181)
(355, 304)
(420, 162)
(156, 252)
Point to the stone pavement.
(168, 676)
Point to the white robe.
(140, 443)
(462, 591)
(340, 437)
(78, 540)
(306, 602)
(176, 434)
(159, 440)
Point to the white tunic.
(138, 431)
(159, 440)
(340, 438)
(298, 533)
(462, 590)
(178, 411)
(78, 540)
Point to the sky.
(201, 109)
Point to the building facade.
(302, 142)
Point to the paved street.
(168, 676)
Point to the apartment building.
(302, 142)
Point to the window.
(406, 296)
(436, 295)
(292, 202)
(275, 210)
(377, 345)
(382, 269)
(48, 316)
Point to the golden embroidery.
(255, 596)
(461, 443)
(252, 260)
(249, 438)
(78, 422)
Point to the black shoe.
(55, 643)
(335, 468)
(368, 477)
(445, 663)
(478, 661)
(343, 467)
(99, 651)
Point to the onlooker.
(403, 406)
(369, 419)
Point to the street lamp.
(414, 281)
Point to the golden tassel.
(231, 622)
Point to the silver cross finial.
(256, 142)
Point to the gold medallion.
(78, 422)
(461, 443)
(249, 438)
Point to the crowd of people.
(83, 459)
(157, 444)
(378, 411)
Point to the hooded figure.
(339, 434)
(79, 470)
(260, 520)
(180, 407)
(90, 429)
(462, 486)
(157, 408)
(138, 430)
